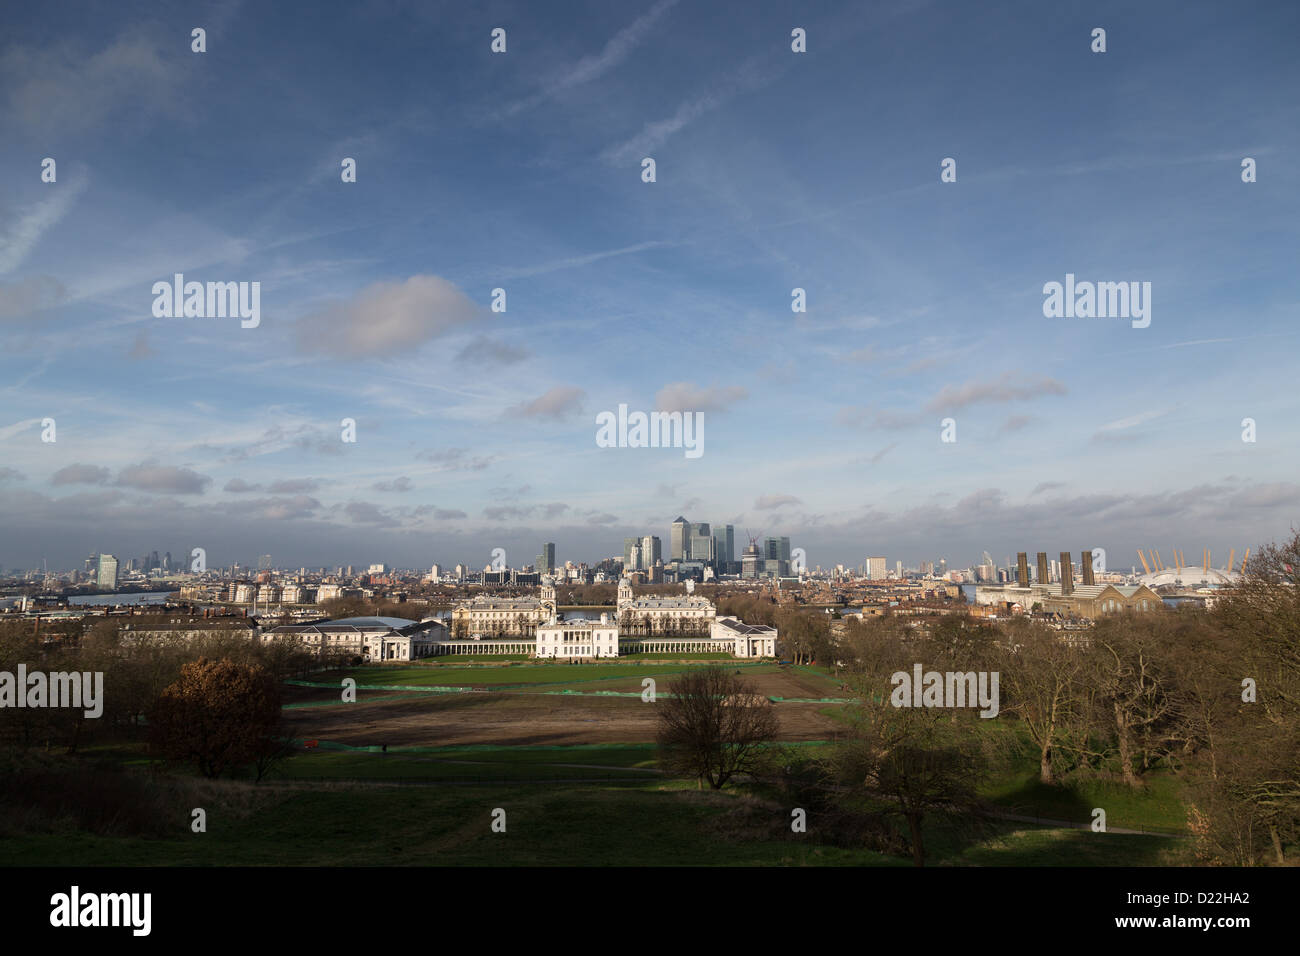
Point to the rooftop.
(370, 622)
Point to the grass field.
(651, 824)
(578, 776)
(477, 764)
(452, 676)
(1156, 806)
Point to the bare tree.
(1041, 676)
(914, 759)
(714, 725)
(1134, 678)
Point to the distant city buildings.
(724, 548)
(106, 574)
(546, 560)
(651, 551)
(679, 538)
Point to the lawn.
(1156, 806)
(519, 674)
(648, 825)
(474, 764)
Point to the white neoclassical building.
(532, 626)
(497, 618)
(372, 638)
(747, 640)
(581, 637)
(651, 617)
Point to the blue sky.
(522, 171)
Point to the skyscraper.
(702, 546)
(629, 560)
(724, 547)
(546, 560)
(651, 551)
(705, 552)
(679, 539)
(107, 572)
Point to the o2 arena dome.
(1181, 575)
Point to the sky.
(522, 170)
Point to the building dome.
(1190, 578)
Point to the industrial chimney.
(1088, 579)
(1022, 569)
(1067, 574)
(1042, 567)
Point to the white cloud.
(558, 402)
(590, 68)
(27, 229)
(60, 87)
(387, 318)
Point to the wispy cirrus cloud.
(768, 502)
(751, 75)
(589, 68)
(24, 232)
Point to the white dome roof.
(1194, 577)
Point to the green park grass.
(517, 675)
(598, 804)
(472, 764)
(1154, 806)
(676, 657)
(651, 824)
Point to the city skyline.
(499, 558)
(477, 429)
